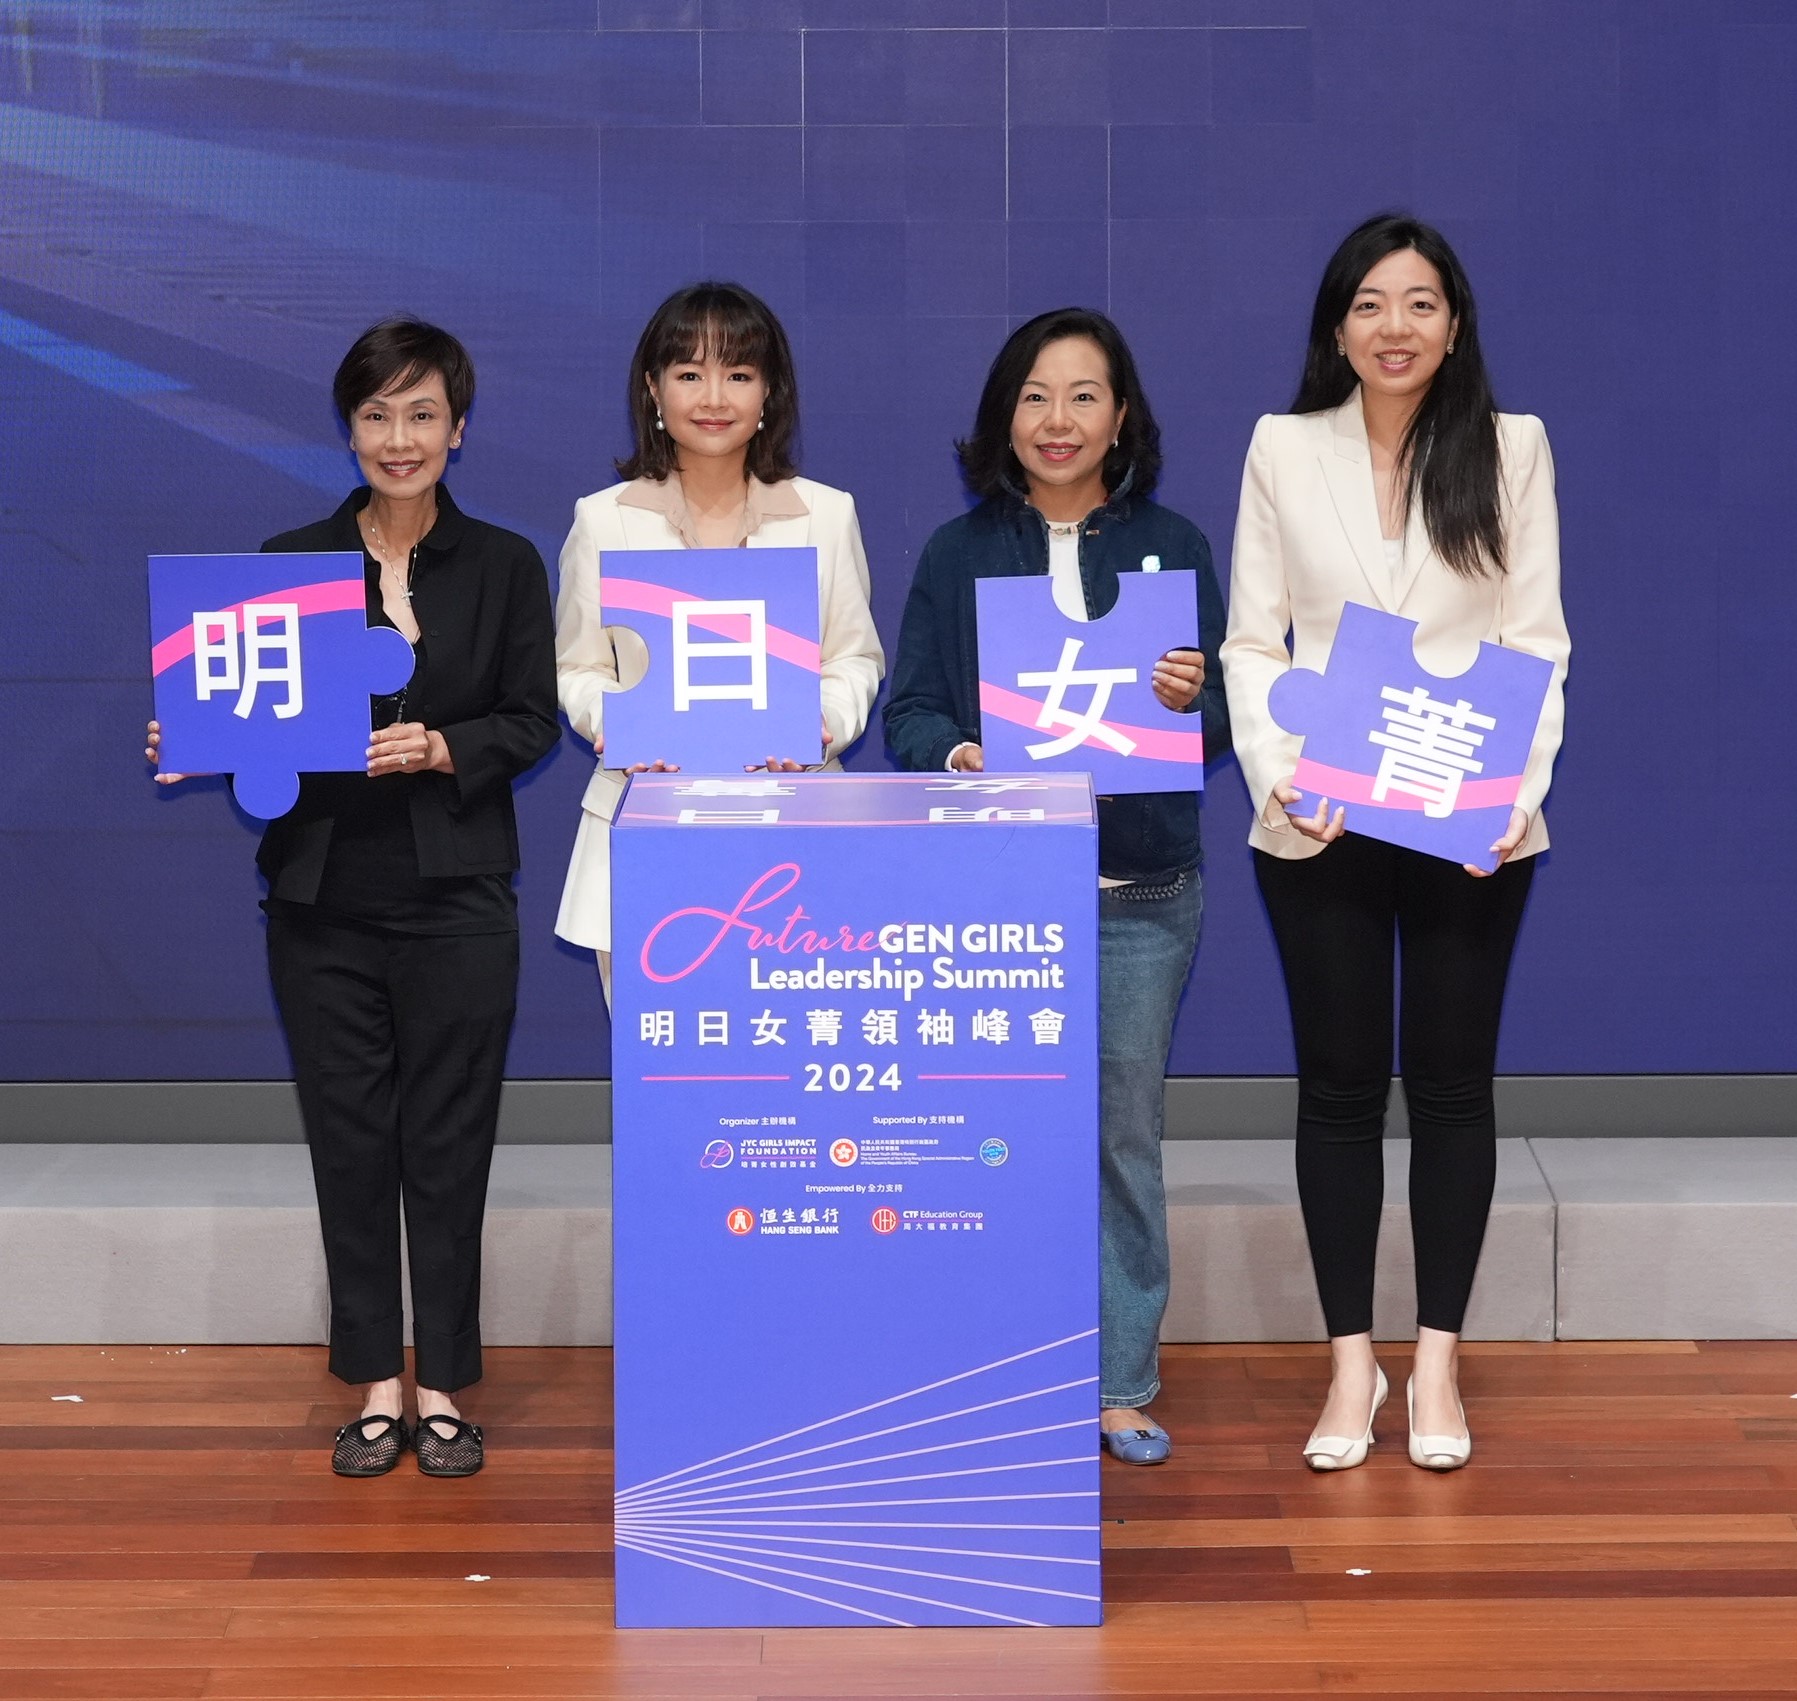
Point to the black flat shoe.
(359, 1454)
(460, 1454)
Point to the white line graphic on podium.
(736, 1517)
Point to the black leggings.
(1334, 916)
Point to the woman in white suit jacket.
(1393, 483)
(714, 407)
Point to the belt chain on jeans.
(1147, 892)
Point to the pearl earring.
(1450, 348)
(761, 422)
(658, 424)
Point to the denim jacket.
(935, 705)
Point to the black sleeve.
(520, 729)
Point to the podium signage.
(1060, 695)
(733, 671)
(263, 667)
(855, 1200)
(1430, 761)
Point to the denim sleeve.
(922, 719)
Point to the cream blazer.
(592, 659)
(1308, 539)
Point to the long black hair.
(1450, 448)
(725, 321)
(989, 463)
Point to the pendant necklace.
(380, 549)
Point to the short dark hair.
(988, 461)
(728, 323)
(400, 351)
(1450, 450)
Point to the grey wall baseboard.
(1260, 1107)
(1529, 1107)
(544, 1113)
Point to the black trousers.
(1335, 917)
(398, 1044)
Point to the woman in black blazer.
(392, 924)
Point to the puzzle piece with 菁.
(734, 662)
(263, 666)
(1062, 694)
(1430, 761)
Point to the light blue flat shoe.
(1150, 1446)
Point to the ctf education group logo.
(720, 1154)
(885, 1220)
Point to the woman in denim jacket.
(1064, 453)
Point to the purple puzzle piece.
(263, 667)
(1426, 760)
(1069, 694)
(733, 657)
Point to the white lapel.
(646, 528)
(788, 531)
(1348, 470)
(1417, 550)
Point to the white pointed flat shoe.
(1341, 1452)
(1437, 1452)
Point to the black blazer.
(485, 680)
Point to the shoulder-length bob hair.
(397, 353)
(725, 322)
(1450, 450)
(990, 464)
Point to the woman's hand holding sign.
(407, 747)
(781, 765)
(1179, 677)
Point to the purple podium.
(855, 1096)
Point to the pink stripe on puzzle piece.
(1318, 779)
(639, 596)
(1157, 744)
(329, 596)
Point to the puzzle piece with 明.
(1078, 695)
(733, 660)
(263, 666)
(1430, 761)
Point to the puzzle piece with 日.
(1433, 762)
(263, 666)
(734, 661)
(1062, 694)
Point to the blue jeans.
(1146, 938)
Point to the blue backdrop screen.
(201, 205)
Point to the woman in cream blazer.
(714, 407)
(1393, 483)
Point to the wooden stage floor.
(1628, 1527)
